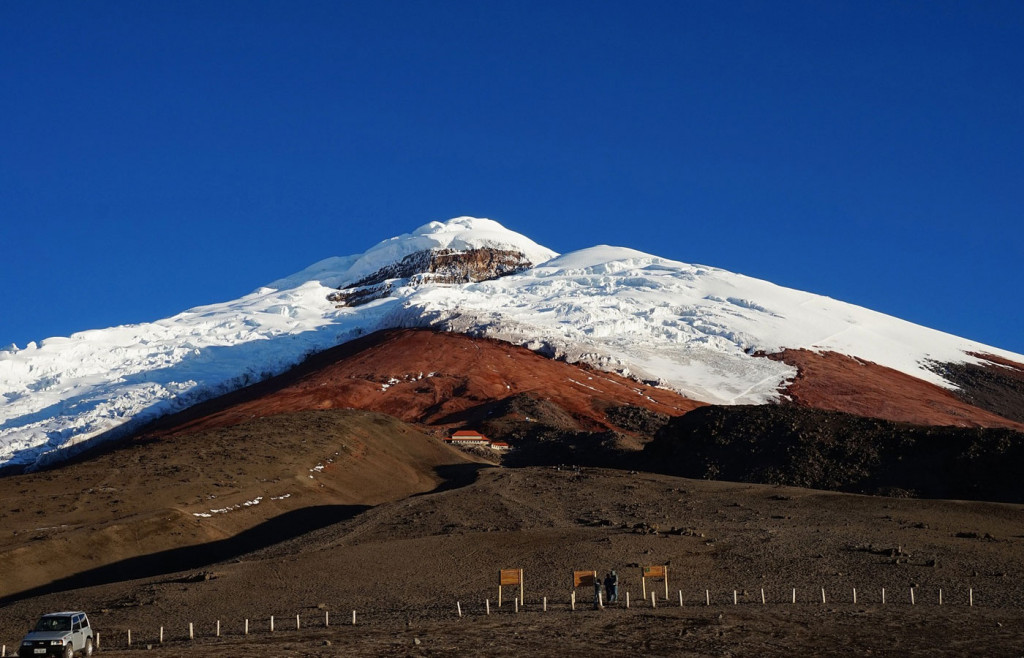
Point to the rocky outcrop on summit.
(444, 266)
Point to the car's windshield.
(54, 624)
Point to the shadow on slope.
(543, 433)
(142, 505)
(456, 476)
(281, 528)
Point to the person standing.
(597, 592)
(611, 586)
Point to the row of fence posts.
(544, 605)
(707, 599)
(245, 628)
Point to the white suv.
(59, 634)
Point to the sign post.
(660, 571)
(510, 577)
(582, 579)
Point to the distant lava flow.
(835, 382)
(430, 377)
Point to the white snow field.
(688, 327)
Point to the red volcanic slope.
(836, 382)
(429, 377)
(423, 376)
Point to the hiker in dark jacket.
(611, 586)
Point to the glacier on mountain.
(692, 328)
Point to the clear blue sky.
(161, 155)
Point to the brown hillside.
(430, 377)
(405, 565)
(141, 499)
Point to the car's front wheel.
(69, 651)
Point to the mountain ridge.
(694, 329)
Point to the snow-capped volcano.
(695, 329)
(462, 234)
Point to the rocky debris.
(197, 577)
(790, 445)
(886, 551)
(637, 419)
(543, 445)
(595, 522)
(996, 386)
(527, 410)
(444, 266)
(645, 529)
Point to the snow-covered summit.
(693, 328)
(458, 234)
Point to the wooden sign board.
(511, 577)
(659, 571)
(655, 572)
(583, 578)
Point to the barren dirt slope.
(241, 487)
(404, 565)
